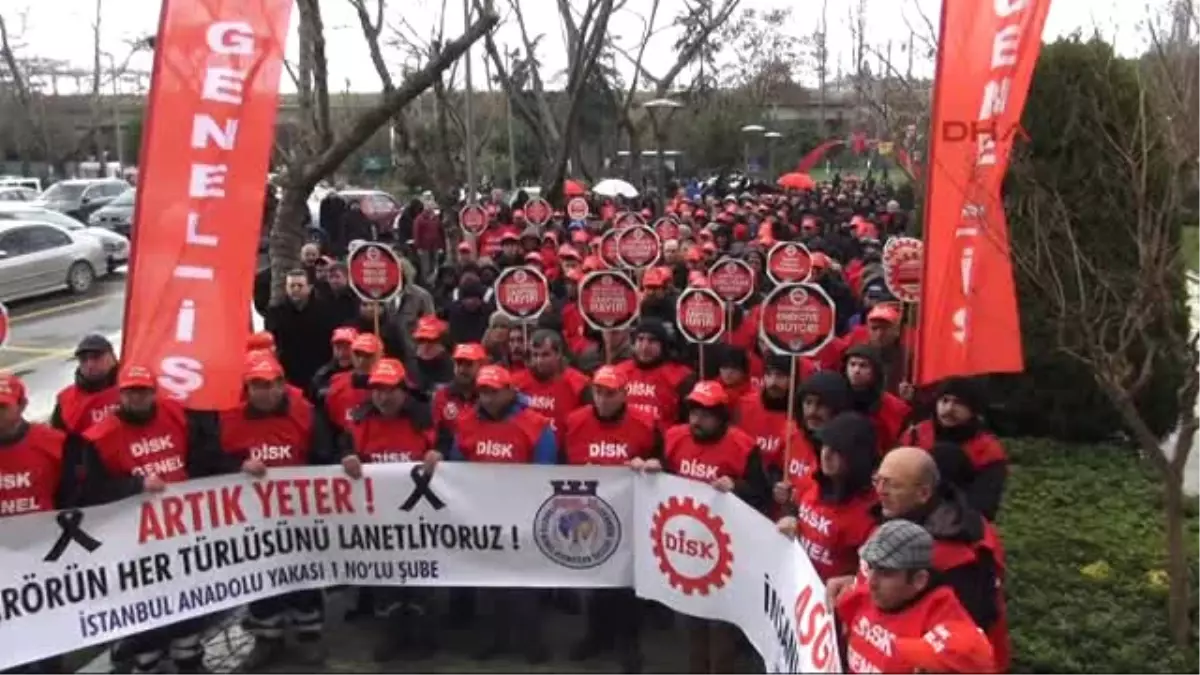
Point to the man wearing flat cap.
(898, 601)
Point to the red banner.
(986, 54)
(208, 136)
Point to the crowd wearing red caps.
(834, 446)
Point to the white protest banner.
(85, 577)
(709, 554)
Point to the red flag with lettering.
(969, 322)
(210, 128)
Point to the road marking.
(24, 364)
(18, 318)
(37, 351)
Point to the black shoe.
(265, 654)
(630, 661)
(191, 666)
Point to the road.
(44, 332)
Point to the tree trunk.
(287, 236)
(1178, 600)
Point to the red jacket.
(832, 532)
(427, 232)
(871, 632)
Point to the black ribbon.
(421, 490)
(70, 523)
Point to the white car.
(37, 258)
(116, 246)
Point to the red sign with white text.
(522, 293)
(577, 208)
(209, 132)
(789, 262)
(538, 211)
(732, 279)
(700, 315)
(969, 321)
(608, 249)
(374, 272)
(797, 319)
(608, 300)
(902, 267)
(667, 228)
(473, 219)
(638, 247)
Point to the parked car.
(378, 206)
(17, 194)
(34, 184)
(116, 246)
(116, 215)
(80, 198)
(39, 258)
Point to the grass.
(1191, 247)
(1083, 531)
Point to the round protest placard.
(4, 331)
(473, 219)
(666, 228)
(538, 211)
(903, 264)
(789, 262)
(732, 279)
(522, 293)
(608, 249)
(374, 272)
(638, 247)
(797, 319)
(577, 209)
(700, 315)
(608, 300)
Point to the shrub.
(1082, 529)
(1081, 91)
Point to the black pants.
(510, 615)
(712, 645)
(614, 617)
(303, 610)
(179, 641)
(42, 667)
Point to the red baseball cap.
(509, 235)
(654, 278)
(136, 377)
(343, 336)
(820, 261)
(260, 340)
(609, 378)
(12, 390)
(708, 393)
(952, 647)
(470, 351)
(263, 370)
(367, 343)
(566, 251)
(884, 311)
(493, 377)
(429, 328)
(387, 373)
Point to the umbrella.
(796, 181)
(614, 187)
(573, 188)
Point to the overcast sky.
(61, 29)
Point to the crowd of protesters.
(890, 489)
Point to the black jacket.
(301, 338)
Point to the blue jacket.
(545, 449)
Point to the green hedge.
(1083, 530)
(1080, 92)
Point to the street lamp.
(664, 107)
(749, 130)
(116, 109)
(772, 135)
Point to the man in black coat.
(302, 327)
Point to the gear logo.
(692, 547)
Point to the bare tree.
(321, 150)
(1119, 324)
(1173, 69)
